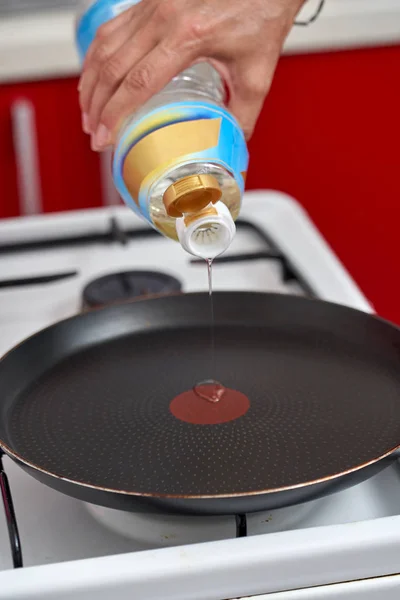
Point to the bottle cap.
(191, 194)
(208, 233)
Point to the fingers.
(100, 53)
(110, 37)
(132, 60)
(104, 31)
(115, 69)
(145, 79)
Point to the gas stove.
(343, 546)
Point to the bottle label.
(97, 14)
(176, 135)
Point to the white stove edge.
(387, 588)
(252, 566)
(42, 46)
(367, 589)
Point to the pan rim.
(154, 298)
(263, 492)
(161, 296)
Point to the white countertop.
(42, 46)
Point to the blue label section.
(99, 13)
(231, 151)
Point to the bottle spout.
(208, 233)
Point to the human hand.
(137, 53)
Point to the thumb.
(249, 86)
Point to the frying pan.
(87, 405)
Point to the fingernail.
(85, 123)
(102, 137)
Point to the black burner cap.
(125, 286)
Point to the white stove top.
(351, 535)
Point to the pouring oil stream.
(210, 389)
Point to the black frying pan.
(86, 404)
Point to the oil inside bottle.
(210, 389)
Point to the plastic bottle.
(179, 162)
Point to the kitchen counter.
(42, 46)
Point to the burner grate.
(13, 533)
(115, 234)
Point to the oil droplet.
(210, 390)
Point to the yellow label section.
(165, 145)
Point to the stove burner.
(125, 286)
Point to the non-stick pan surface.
(85, 404)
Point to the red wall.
(329, 135)
(69, 170)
